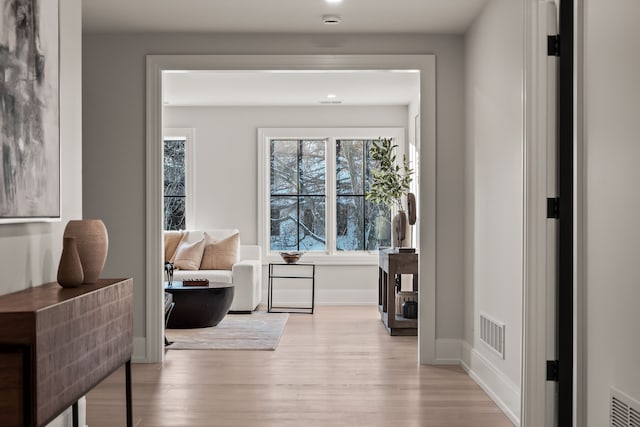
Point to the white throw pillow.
(189, 255)
(220, 254)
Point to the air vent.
(330, 102)
(492, 333)
(625, 411)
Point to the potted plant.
(391, 183)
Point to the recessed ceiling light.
(332, 95)
(331, 19)
(333, 1)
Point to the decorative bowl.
(291, 257)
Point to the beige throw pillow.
(189, 255)
(171, 241)
(221, 254)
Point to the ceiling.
(283, 16)
(279, 16)
(289, 88)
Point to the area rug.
(256, 331)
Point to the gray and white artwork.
(29, 110)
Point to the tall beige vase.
(92, 242)
(70, 274)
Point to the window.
(298, 199)
(177, 203)
(174, 188)
(315, 182)
(360, 224)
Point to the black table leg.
(129, 400)
(74, 412)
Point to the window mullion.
(331, 200)
(364, 191)
(298, 191)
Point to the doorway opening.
(424, 64)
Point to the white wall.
(226, 179)
(226, 153)
(29, 253)
(494, 196)
(612, 203)
(114, 122)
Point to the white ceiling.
(283, 16)
(279, 16)
(287, 88)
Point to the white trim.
(579, 231)
(189, 171)
(448, 351)
(426, 64)
(330, 135)
(29, 220)
(154, 324)
(347, 259)
(496, 384)
(139, 350)
(427, 207)
(536, 401)
(336, 297)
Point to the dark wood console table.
(57, 343)
(390, 264)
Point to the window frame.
(299, 195)
(331, 256)
(189, 171)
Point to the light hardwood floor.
(337, 367)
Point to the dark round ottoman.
(199, 306)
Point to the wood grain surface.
(75, 338)
(338, 367)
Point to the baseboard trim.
(496, 384)
(139, 350)
(448, 351)
(346, 297)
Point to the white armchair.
(247, 279)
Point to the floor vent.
(625, 411)
(492, 333)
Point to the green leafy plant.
(391, 180)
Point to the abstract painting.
(29, 111)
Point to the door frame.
(156, 64)
(536, 400)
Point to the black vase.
(410, 310)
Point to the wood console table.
(390, 264)
(57, 343)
